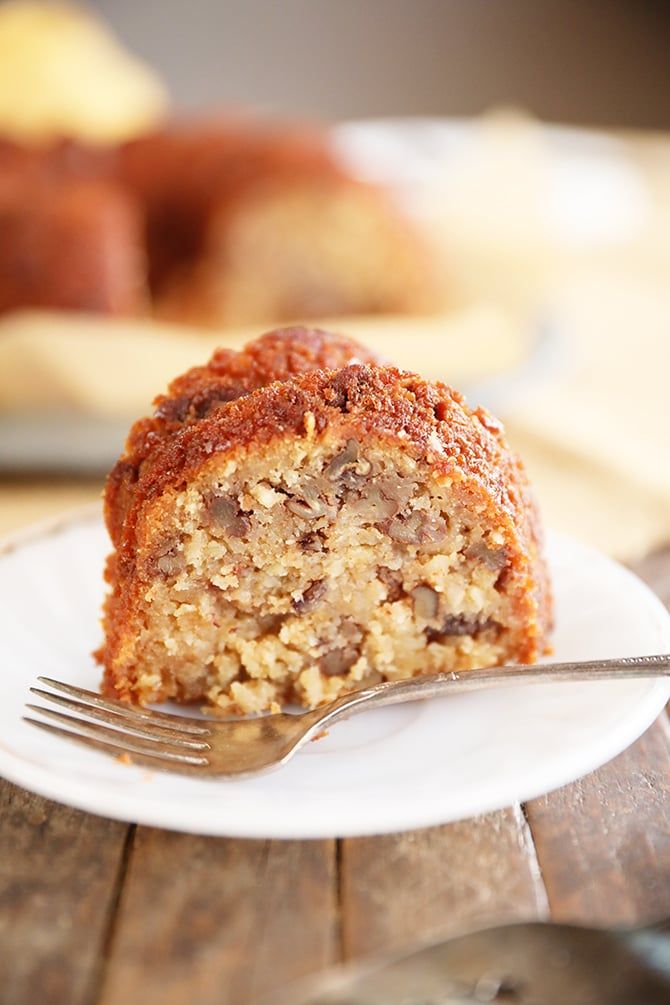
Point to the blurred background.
(599, 62)
(480, 191)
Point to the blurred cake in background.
(327, 247)
(231, 223)
(228, 222)
(70, 236)
(323, 248)
(252, 221)
(124, 233)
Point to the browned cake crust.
(62, 160)
(362, 402)
(228, 375)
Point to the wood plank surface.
(603, 843)
(204, 921)
(59, 877)
(400, 889)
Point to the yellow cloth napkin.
(595, 432)
(91, 364)
(28, 501)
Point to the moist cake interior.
(311, 567)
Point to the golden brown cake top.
(275, 356)
(54, 162)
(429, 417)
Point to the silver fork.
(235, 747)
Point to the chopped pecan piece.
(392, 580)
(168, 559)
(494, 559)
(313, 541)
(311, 502)
(338, 661)
(348, 462)
(417, 528)
(426, 601)
(311, 598)
(307, 509)
(225, 514)
(460, 624)
(374, 505)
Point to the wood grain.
(59, 874)
(418, 886)
(603, 843)
(207, 921)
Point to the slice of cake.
(298, 520)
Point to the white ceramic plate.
(407, 766)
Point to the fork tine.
(141, 727)
(185, 766)
(122, 741)
(124, 708)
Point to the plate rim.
(83, 795)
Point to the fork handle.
(441, 684)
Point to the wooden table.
(95, 912)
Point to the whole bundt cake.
(298, 520)
(232, 222)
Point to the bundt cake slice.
(324, 530)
